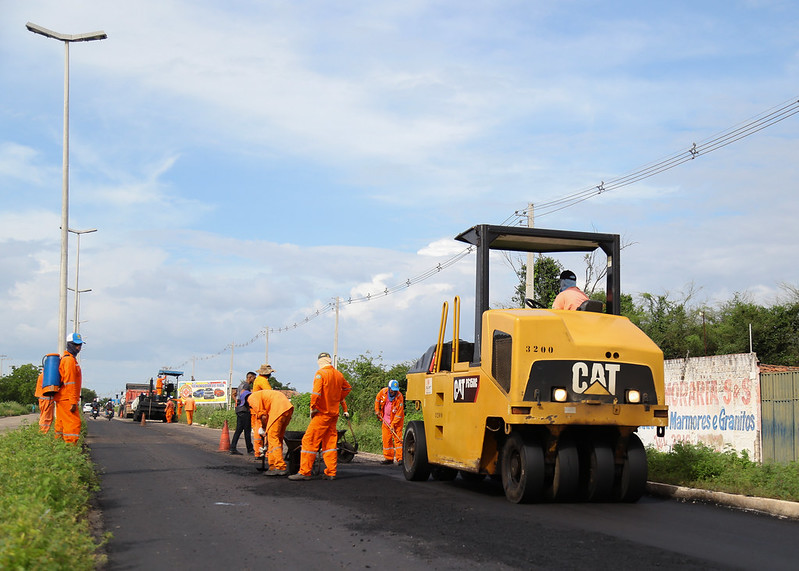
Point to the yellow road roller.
(546, 400)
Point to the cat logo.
(465, 388)
(594, 378)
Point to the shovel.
(391, 430)
(262, 467)
(355, 441)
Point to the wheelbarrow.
(293, 441)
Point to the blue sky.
(247, 162)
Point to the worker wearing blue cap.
(67, 399)
(390, 409)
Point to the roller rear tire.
(566, 473)
(523, 469)
(597, 471)
(631, 480)
(415, 466)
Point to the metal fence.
(779, 394)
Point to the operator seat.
(591, 305)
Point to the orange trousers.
(67, 423)
(46, 413)
(274, 440)
(321, 431)
(392, 446)
(189, 417)
(257, 439)
(169, 414)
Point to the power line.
(749, 127)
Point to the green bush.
(11, 408)
(699, 466)
(45, 486)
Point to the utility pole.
(1, 363)
(529, 291)
(335, 339)
(230, 384)
(266, 354)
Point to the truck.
(547, 401)
(151, 404)
(132, 392)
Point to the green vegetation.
(45, 488)
(698, 466)
(683, 326)
(19, 385)
(13, 409)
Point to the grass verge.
(698, 466)
(45, 490)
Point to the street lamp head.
(88, 37)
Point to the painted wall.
(712, 400)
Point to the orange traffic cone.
(224, 440)
(143, 420)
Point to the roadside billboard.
(204, 392)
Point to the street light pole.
(76, 328)
(67, 39)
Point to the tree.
(20, 385)
(672, 324)
(546, 283)
(368, 375)
(774, 330)
(87, 395)
(278, 386)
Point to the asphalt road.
(173, 501)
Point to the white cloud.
(246, 164)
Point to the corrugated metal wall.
(780, 409)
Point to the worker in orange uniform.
(273, 411)
(170, 410)
(260, 383)
(390, 409)
(46, 406)
(181, 405)
(329, 390)
(190, 406)
(67, 399)
(570, 296)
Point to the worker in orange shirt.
(170, 410)
(570, 296)
(181, 405)
(46, 406)
(390, 409)
(329, 390)
(273, 411)
(190, 406)
(260, 383)
(67, 399)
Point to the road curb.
(780, 508)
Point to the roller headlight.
(633, 396)
(559, 395)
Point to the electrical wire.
(727, 137)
